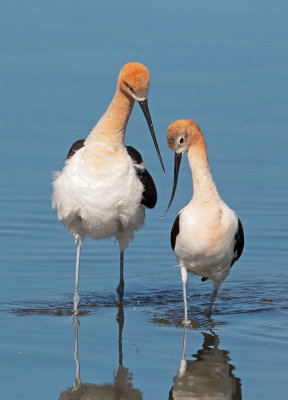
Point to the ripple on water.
(166, 306)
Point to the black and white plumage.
(104, 188)
(207, 236)
(149, 194)
(238, 240)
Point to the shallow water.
(225, 66)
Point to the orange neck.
(204, 187)
(112, 125)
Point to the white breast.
(205, 243)
(100, 201)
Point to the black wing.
(175, 231)
(75, 147)
(149, 196)
(239, 243)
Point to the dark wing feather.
(175, 231)
(75, 147)
(239, 243)
(135, 155)
(149, 196)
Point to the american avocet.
(104, 187)
(207, 236)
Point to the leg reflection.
(209, 375)
(77, 382)
(121, 387)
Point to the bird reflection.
(209, 376)
(121, 388)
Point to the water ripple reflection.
(162, 306)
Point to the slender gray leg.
(184, 276)
(120, 287)
(76, 294)
(213, 297)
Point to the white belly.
(100, 202)
(205, 243)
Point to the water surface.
(223, 65)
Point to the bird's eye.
(129, 87)
(181, 140)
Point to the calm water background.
(223, 64)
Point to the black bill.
(144, 106)
(177, 162)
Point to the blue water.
(223, 64)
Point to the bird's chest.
(117, 189)
(205, 239)
(103, 192)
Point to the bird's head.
(181, 136)
(133, 81)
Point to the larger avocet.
(104, 187)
